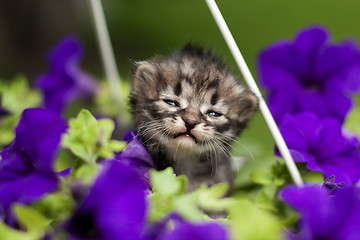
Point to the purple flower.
(114, 208)
(26, 168)
(183, 229)
(64, 81)
(309, 74)
(199, 231)
(136, 155)
(323, 146)
(323, 215)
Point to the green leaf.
(57, 206)
(7, 232)
(249, 222)
(17, 95)
(169, 195)
(264, 201)
(261, 176)
(166, 183)
(186, 205)
(352, 121)
(106, 127)
(7, 126)
(160, 206)
(313, 177)
(31, 219)
(107, 106)
(212, 199)
(117, 146)
(87, 173)
(88, 138)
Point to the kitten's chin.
(185, 141)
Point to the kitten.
(188, 108)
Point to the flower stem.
(279, 140)
(107, 53)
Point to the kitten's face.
(188, 106)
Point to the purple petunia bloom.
(114, 208)
(183, 229)
(199, 231)
(136, 155)
(323, 146)
(323, 215)
(26, 168)
(65, 82)
(309, 74)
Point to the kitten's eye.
(171, 103)
(213, 114)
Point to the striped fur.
(188, 108)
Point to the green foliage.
(269, 181)
(88, 138)
(169, 195)
(7, 232)
(166, 189)
(58, 205)
(15, 97)
(86, 173)
(247, 221)
(212, 199)
(106, 105)
(250, 215)
(7, 126)
(352, 122)
(166, 183)
(31, 219)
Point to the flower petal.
(115, 207)
(65, 82)
(307, 45)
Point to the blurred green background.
(140, 29)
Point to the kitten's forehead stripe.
(177, 88)
(214, 98)
(213, 84)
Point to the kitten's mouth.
(186, 134)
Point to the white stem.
(107, 53)
(279, 140)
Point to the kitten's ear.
(249, 104)
(144, 74)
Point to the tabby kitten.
(188, 108)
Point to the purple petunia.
(114, 208)
(26, 168)
(182, 229)
(199, 231)
(321, 144)
(65, 82)
(309, 74)
(334, 216)
(136, 155)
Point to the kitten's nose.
(190, 123)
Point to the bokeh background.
(140, 29)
